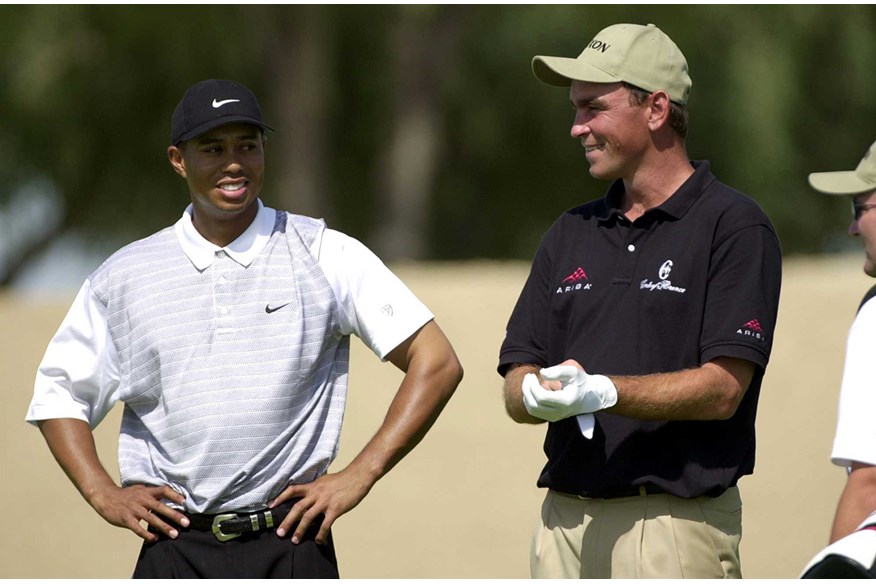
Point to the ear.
(176, 160)
(659, 105)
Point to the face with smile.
(865, 228)
(614, 133)
(224, 169)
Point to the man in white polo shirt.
(855, 443)
(226, 336)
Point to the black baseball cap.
(212, 103)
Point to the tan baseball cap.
(640, 55)
(848, 182)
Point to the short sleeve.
(742, 300)
(855, 439)
(375, 304)
(528, 325)
(79, 374)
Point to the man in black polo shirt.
(665, 292)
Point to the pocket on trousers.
(722, 520)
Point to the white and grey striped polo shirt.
(231, 362)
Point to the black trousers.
(198, 554)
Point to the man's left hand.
(330, 495)
(580, 393)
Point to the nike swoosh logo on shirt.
(218, 104)
(269, 309)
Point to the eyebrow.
(588, 101)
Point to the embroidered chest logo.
(752, 329)
(663, 283)
(574, 282)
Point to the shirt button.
(631, 247)
(223, 310)
(222, 279)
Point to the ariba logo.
(665, 283)
(752, 329)
(575, 281)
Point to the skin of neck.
(663, 169)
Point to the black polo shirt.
(691, 280)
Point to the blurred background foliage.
(417, 129)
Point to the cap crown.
(640, 55)
(866, 169)
(212, 103)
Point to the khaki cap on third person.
(639, 55)
(848, 182)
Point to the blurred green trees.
(418, 129)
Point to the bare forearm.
(432, 374)
(710, 392)
(420, 399)
(72, 445)
(857, 501)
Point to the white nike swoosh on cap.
(223, 102)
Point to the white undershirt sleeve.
(855, 439)
(375, 304)
(79, 374)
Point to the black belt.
(227, 526)
(641, 490)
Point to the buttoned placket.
(632, 237)
(223, 316)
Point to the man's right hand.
(72, 444)
(129, 506)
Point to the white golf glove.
(581, 394)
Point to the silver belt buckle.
(217, 530)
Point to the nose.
(853, 228)
(231, 163)
(579, 125)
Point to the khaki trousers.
(646, 536)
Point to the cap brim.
(561, 71)
(845, 182)
(223, 121)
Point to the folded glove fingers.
(535, 396)
(552, 398)
(560, 373)
(532, 389)
(562, 398)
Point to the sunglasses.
(859, 208)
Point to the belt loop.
(254, 519)
(642, 490)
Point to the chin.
(236, 204)
(602, 174)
